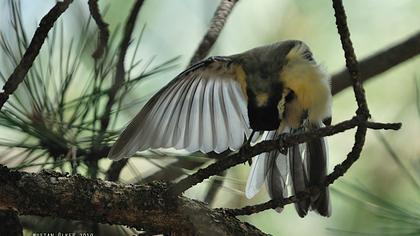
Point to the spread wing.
(202, 109)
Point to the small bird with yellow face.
(218, 103)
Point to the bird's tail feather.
(317, 159)
(271, 168)
(305, 165)
(309, 168)
(299, 177)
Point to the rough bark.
(140, 206)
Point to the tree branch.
(10, 223)
(41, 33)
(114, 171)
(269, 145)
(359, 92)
(351, 60)
(119, 74)
(216, 26)
(115, 168)
(140, 206)
(102, 26)
(379, 62)
(173, 171)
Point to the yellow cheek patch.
(241, 78)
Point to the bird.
(219, 103)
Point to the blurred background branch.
(216, 25)
(102, 27)
(379, 62)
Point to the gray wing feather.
(317, 158)
(200, 110)
(299, 178)
(259, 169)
(276, 183)
(309, 168)
(271, 168)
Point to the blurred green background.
(175, 28)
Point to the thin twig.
(351, 60)
(339, 171)
(352, 157)
(214, 188)
(116, 168)
(216, 26)
(103, 29)
(120, 71)
(363, 110)
(273, 203)
(41, 33)
(269, 145)
(114, 171)
(379, 62)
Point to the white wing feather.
(201, 110)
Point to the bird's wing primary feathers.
(202, 109)
(259, 168)
(271, 168)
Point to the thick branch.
(10, 223)
(379, 62)
(102, 26)
(216, 26)
(141, 206)
(33, 49)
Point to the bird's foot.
(282, 149)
